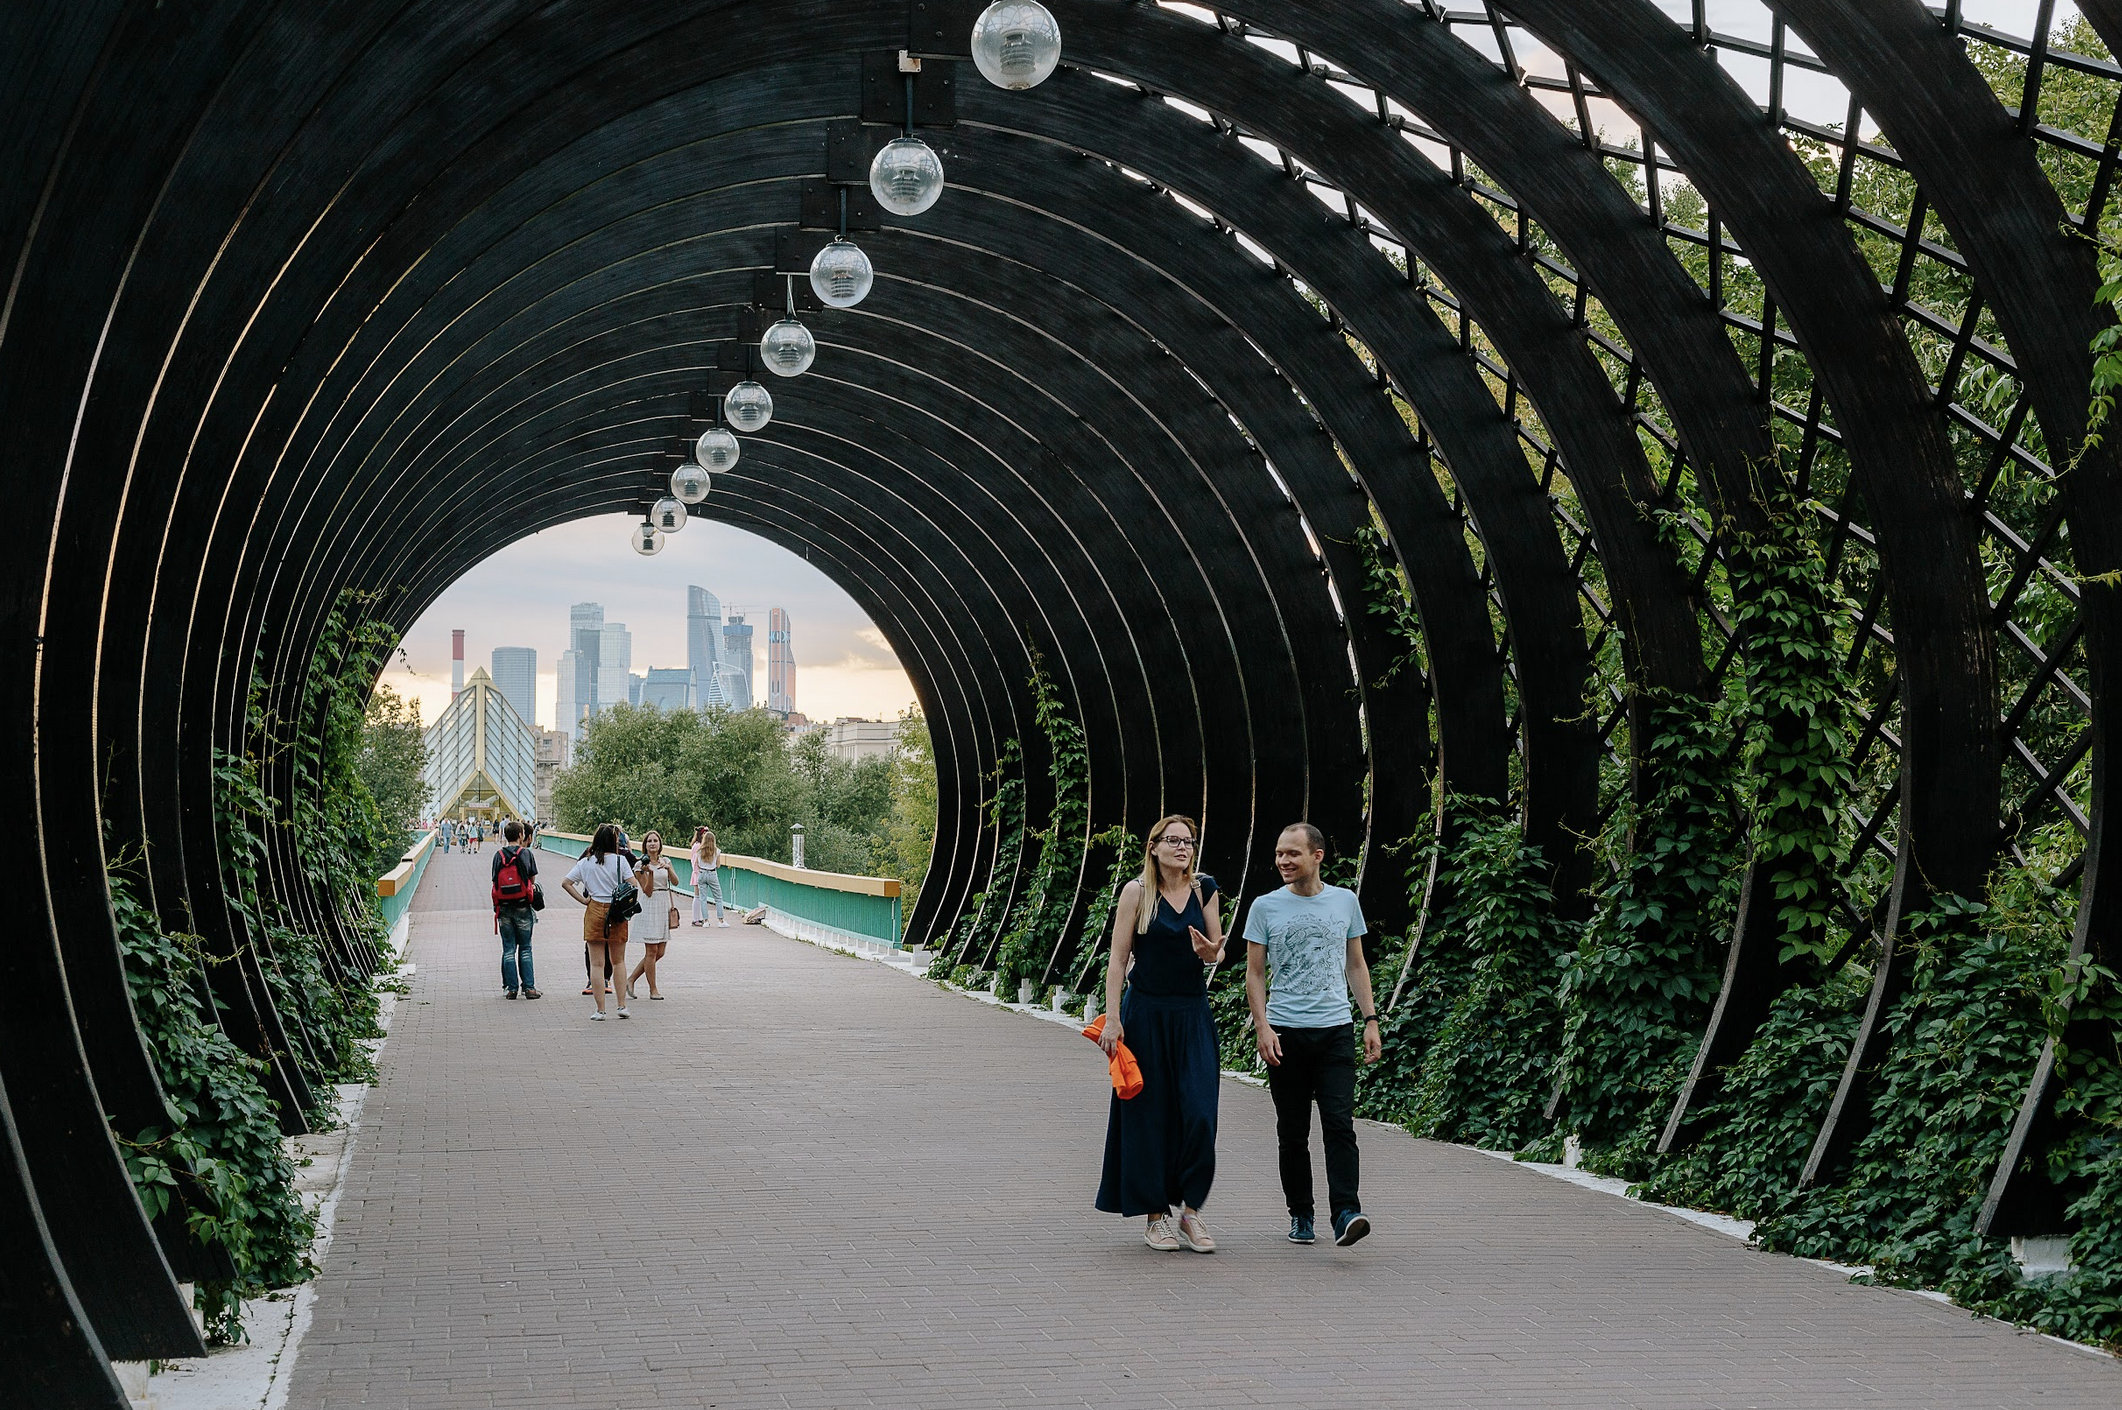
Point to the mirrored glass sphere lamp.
(689, 483)
(647, 542)
(668, 516)
(748, 406)
(717, 449)
(841, 274)
(1016, 44)
(906, 176)
(787, 348)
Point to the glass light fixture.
(646, 541)
(841, 274)
(1016, 44)
(668, 516)
(717, 449)
(787, 348)
(906, 176)
(748, 405)
(689, 483)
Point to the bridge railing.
(813, 905)
(395, 888)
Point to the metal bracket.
(821, 206)
(770, 291)
(884, 91)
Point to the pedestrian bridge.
(805, 1180)
(1631, 472)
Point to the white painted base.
(132, 1379)
(2042, 1256)
(1572, 1153)
(797, 928)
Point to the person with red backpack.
(515, 893)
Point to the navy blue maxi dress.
(1160, 1146)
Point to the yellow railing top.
(389, 883)
(801, 876)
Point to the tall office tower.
(780, 664)
(585, 636)
(515, 673)
(615, 660)
(667, 688)
(737, 662)
(567, 712)
(703, 647)
(456, 663)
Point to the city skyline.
(521, 597)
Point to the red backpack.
(512, 882)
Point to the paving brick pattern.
(807, 1181)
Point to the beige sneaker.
(1159, 1235)
(1195, 1233)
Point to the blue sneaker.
(1300, 1229)
(1350, 1226)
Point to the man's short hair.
(514, 831)
(1314, 840)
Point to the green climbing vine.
(1385, 595)
(218, 1159)
(1637, 991)
(1033, 933)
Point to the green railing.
(810, 904)
(395, 888)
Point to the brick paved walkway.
(807, 1181)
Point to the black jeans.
(1318, 1065)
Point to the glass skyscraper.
(515, 671)
(737, 662)
(703, 646)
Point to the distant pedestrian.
(1311, 935)
(603, 874)
(659, 912)
(1160, 1146)
(447, 833)
(479, 835)
(515, 888)
(707, 877)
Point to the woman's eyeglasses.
(1177, 841)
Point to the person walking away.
(707, 877)
(1311, 935)
(602, 874)
(443, 829)
(515, 886)
(1160, 1146)
(659, 912)
(479, 836)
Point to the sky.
(521, 596)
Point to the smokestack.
(456, 663)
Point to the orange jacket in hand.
(1127, 1073)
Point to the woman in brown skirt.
(593, 881)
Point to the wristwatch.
(1370, 1018)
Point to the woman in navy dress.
(1160, 1146)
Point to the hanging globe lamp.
(787, 348)
(689, 483)
(717, 449)
(748, 405)
(646, 541)
(1016, 44)
(668, 516)
(906, 176)
(841, 274)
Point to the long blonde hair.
(1153, 883)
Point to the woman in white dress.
(659, 911)
(707, 878)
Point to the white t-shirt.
(601, 879)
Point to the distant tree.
(735, 771)
(393, 752)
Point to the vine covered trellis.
(1650, 522)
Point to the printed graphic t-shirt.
(1307, 953)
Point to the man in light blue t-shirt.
(1311, 935)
